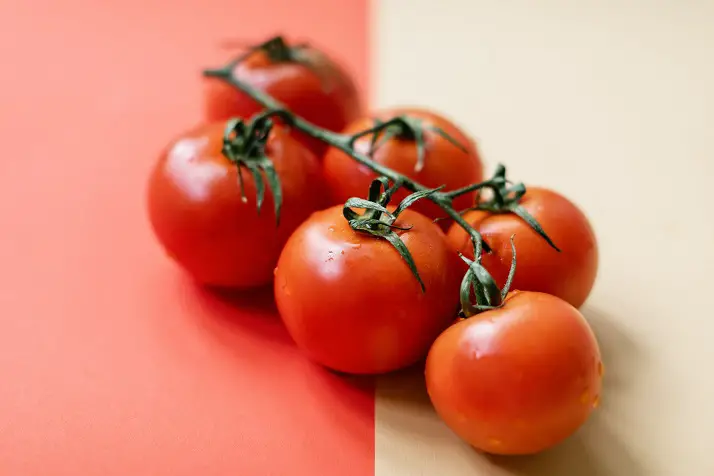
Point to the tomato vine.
(244, 142)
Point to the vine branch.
(505, 198)
(344, 143)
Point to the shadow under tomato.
(352, 394)
(621, 355)
(405, 387)
(228, 314)
(595, 450)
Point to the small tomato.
(569, 274)
(197, 213)
(517, 379)
(351, 302)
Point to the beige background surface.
(612, 103)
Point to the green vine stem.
(344, 143)
(484, 287)
(505, 196)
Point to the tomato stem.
(478, 281)
(244, 145)
(505, 198)
(403, 127)
(373, 223)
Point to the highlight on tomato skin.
(519, 379)
(305, 79)
(568, 274)
(197, 213)
(350, 301)
(444, 163)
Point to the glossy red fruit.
(198, 216)
(350, 301)
(518, 379)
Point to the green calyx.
(279, 51)
(275, 48)
(505, 198)
(244, 145)
(379, 222)
(480, 283)
(404, 128)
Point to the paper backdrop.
(113, 363)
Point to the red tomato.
(197, 214)
(350, 301)
(304, 79)
(518, 379)
(568, 274)
(444, 163)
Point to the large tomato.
(350, 301)
(197, 214)
(443, 162)
(303, 78)
(568, 274)
(517, 379)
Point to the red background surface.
(111, 361)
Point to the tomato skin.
(445, 164)
(351, 303)
(519, 379)
(323, 92)
(196, 211)
(569, 274)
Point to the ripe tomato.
(568, 274)
(350, 301)
(444, 163)
(304, 79)
(517, 379)
(196, 211)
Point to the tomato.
(569, 274)
(518, 379)
(196, 211)
(350, 301)
(444, 163)
(303, 78)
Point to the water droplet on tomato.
(275, 271)
(495, 442)
(331, 228)
(596, 401)
(342, 252)
(600, 369)
(585, 397)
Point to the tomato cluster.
(290, 182)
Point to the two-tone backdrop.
(113, 363)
